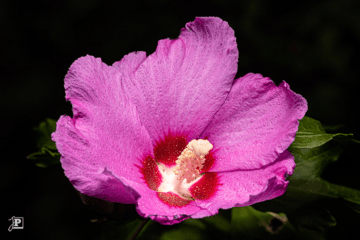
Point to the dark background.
(313, 45)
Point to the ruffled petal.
(101, 145)
(184, 83)
(244, 188)
(257, 122)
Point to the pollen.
(179, 178)
(191, 160)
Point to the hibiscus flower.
(174, 132)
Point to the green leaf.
(306, 178)
(44, 158)
(248, 223)
(310, 163)
(47, 154)
(311, 134)
(306, 185)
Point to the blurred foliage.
(47, 154)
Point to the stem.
(143, 223)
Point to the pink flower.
(173, 132)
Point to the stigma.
(187, 171)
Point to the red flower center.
(179, 171)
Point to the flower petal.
(166, 221)
(184, 83)
(244, 188)
(105, 139)
(150, 205)
(255, 125)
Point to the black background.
(313, 45)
